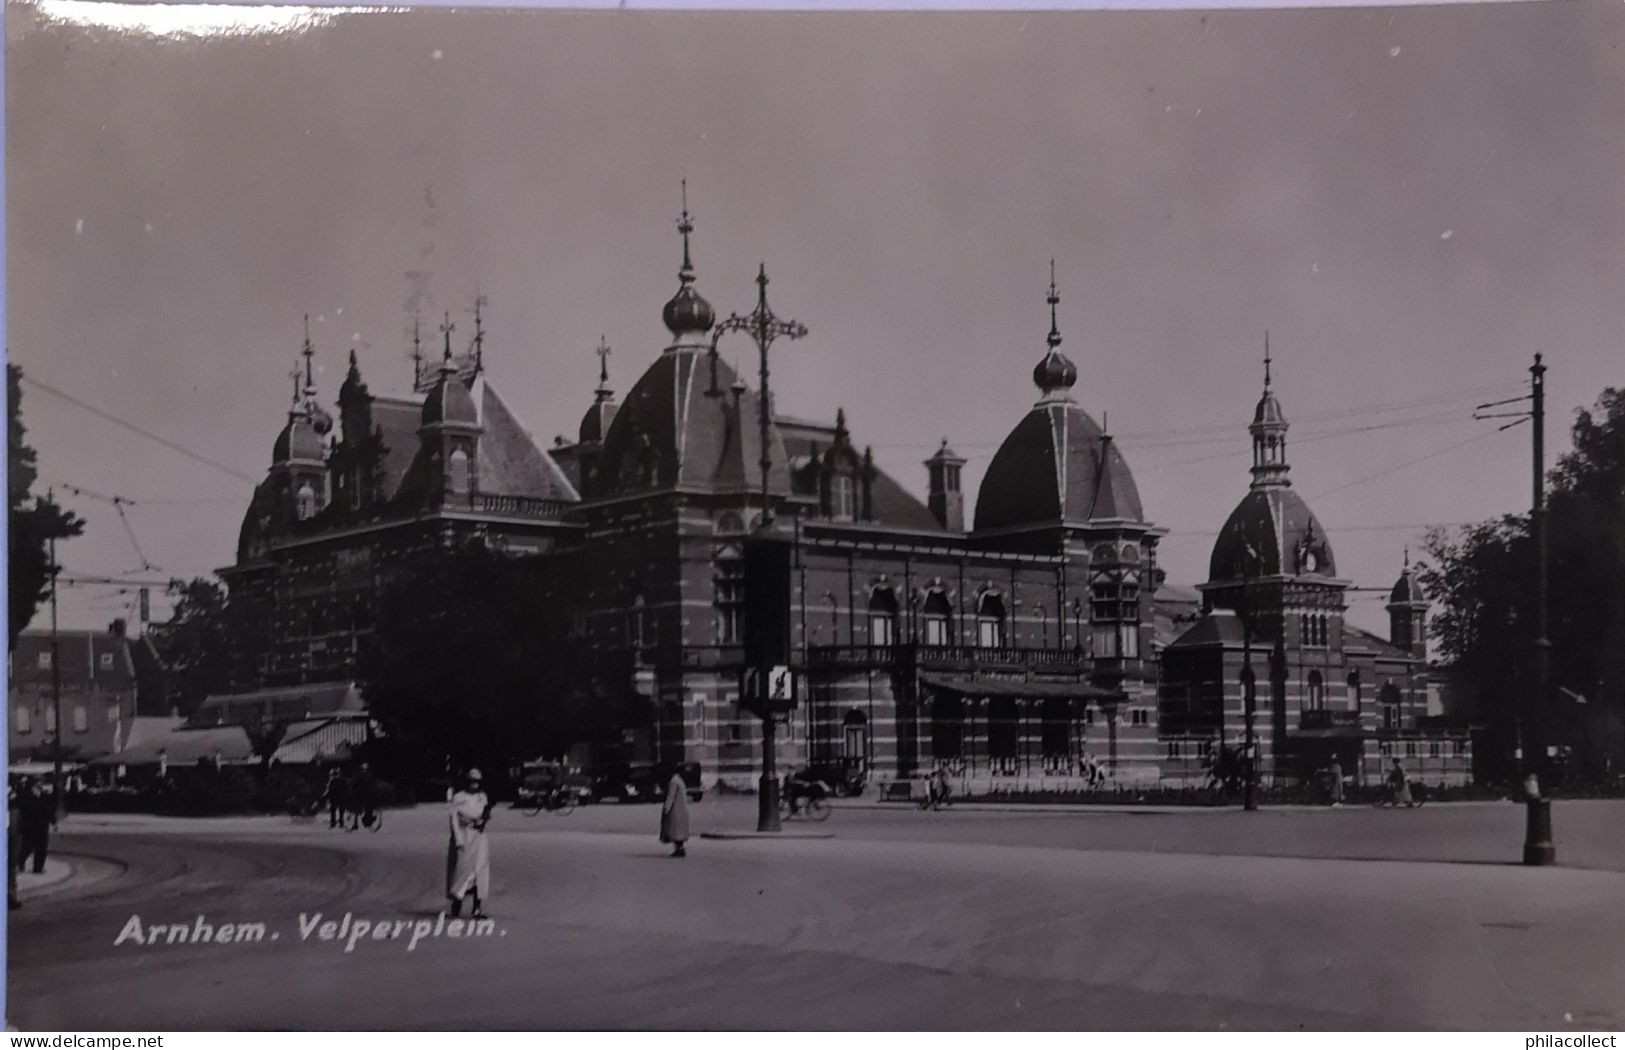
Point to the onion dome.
(449, 401)
(298, 440)
(687, 313)
(1057, 465)
(1407, 589)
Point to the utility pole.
(764, 327)
(59, 800)
(1538, 848)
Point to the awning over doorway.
(1001, 688)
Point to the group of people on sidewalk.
(351, 798)
(1397, 783)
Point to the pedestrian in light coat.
(674, 815)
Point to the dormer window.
(305, 502)
(842, 498)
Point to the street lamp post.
(764, 328)
(59, 800)
(1538, 848)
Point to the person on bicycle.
(361, 797)
(800, 785)
(1399, 784)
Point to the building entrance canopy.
(997, 688)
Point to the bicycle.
(558, 800)
(304, 809)
(812, 807)
(1390, 797)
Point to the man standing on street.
(1337, 782)
(468, 862)
(38, 813)
(14, 845)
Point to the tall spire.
(309, 355)
(603, 393)
(478, 345)
(1268, 429)
(686, 225)
(687, 314)
(417, 349)
(296, 374)
(1055, 374)
(446, 328)
(1054, 301)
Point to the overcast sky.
(1412, 202)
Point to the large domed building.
(1032, 647)
(1273, 648)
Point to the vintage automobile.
(541, 778)
(645, 781)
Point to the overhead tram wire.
(1220, 432)
(135, 429)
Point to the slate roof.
(671, 431)
(511, 462)
(1054, 466)
(80, 653)
(1359, 637)
(1218, 628)
(1277, 524)
(893, 505)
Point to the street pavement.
(965, 919)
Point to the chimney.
(118, 628)
(947, 503)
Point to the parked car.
(645, 781)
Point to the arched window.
(990, 626)
(306, 501)
(947, 728)
(938, 616)
(1354, 690)
(729, 523)
(1316, 699)
(457, 473)
(883, 617)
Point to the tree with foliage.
(471, 665)
(1484, 579)
(196, 644)
(32, 522)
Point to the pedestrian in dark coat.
(14, 845)
(674, 815)
(38, 814)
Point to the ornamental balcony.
(908, 657)
(510, 506)
(1348, 721)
